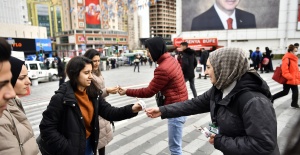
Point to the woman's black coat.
(62, 127)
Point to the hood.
(189, 51)
(16, 67)
(250, 81)
(291, 56)
(67, 91)
(157, 47)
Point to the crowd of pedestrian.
(77, 119)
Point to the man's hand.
(122, 91)
(153, 112)
(212, 139)
(112, 90)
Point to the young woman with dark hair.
(106, 133)
(70, 123)
(290, 71)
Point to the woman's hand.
(212, 139)
(136, 108)
(153, 112)
(112, 90)
(122, 91)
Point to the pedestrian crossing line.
(283, 117)
(157, 148)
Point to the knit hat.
(157, 47)
(229, 64)
(16, 67)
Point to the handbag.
(160, 99)
(277, 76)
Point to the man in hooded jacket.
(169, 80)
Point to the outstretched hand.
(112, 90)
(153, 112)
(122, 91)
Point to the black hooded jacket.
(245, 117)
(62, 127)
(189, 63)
(157, 47)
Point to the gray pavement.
(145, 136)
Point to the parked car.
(38, 70)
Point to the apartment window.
(81, 24)
(90, 38)
(107, 39)
(80, 16)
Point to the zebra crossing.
(145, 136)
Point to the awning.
(197, 48)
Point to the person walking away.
(150, 62)
(107, 64)
(6, 92)
(70, 123)
(256, 58)
(270, 57)
(106, 132)
(203, 59)
(239, 105)
(290, 71)
(169, 80)
(61, 71)
(189, 63)
(17, 136)
(136, 62)
(265, 63)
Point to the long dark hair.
(75, 65)
(90, 54)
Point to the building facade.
(46, 13)
(163, 19)
(13, 12)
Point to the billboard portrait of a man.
(228, 14)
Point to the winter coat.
(60, 68)
(168, 79)
(189, 63)
(290, 69)
(106, 132)
(245, 117)
(204, 57)
(62, 126)
(256, 57)
(14, 126)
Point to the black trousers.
(136, 65)
(192, 85)
(285, 91)
(101, 151)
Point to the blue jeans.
(88, 146)
(175, 126)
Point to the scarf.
(229, 65)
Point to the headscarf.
(229, 64)
(16, 67)
(157, 47)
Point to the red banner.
(196, 41)
(92, 13)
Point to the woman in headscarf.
(16, 134)
(243, 117)
(168, 79)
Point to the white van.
(37, 69)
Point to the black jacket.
(60, 68)
(245, 117)
(204, 57)
(188, 63)
(210, 20)
(62, 127)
